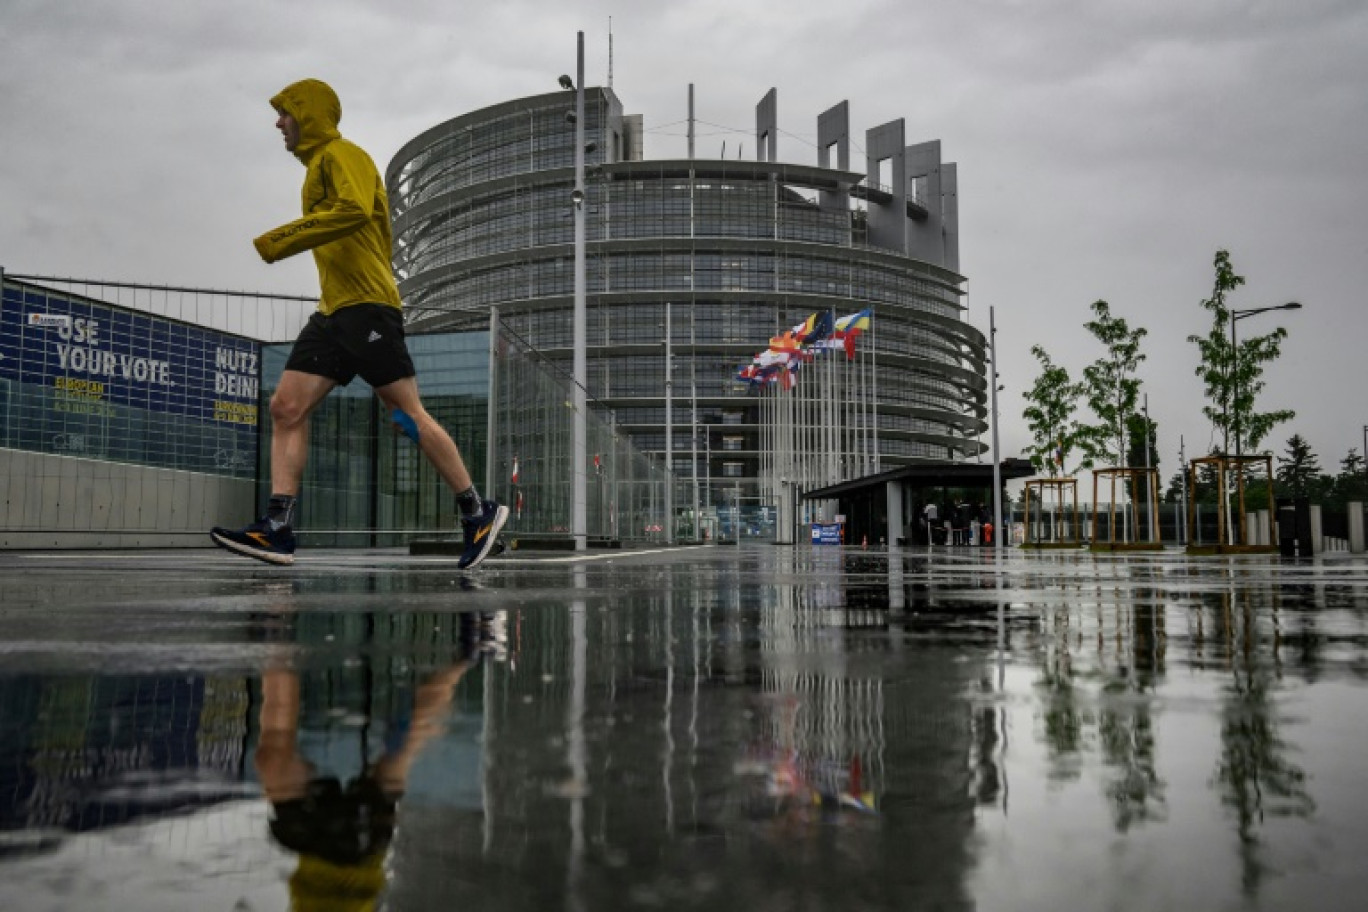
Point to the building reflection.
(762, 732)
(84, 752)
(716, 741)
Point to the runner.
(357, 330)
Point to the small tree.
(1352, 464)
(1177, 484)
(1299, 469)
(1110, 384)
(1351, 484)
(1140, 432)
(1053, 399)
(1232, 380)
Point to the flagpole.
(693, 420)
(998, 530)
(669, 434)
(874, 398)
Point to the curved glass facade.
(735, 251)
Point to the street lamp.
(580, 368)
(997, 458)
(1235, 317)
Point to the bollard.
(1356, 526)
(1287, 527)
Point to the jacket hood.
(315, 107)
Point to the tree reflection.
(1063, 718)
(1129, 660)
(1126, 725)
(1255, 773)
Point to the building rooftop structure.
(693, 266)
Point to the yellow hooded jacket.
(346, 210)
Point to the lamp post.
(997, 459)
(1235, 317)
(1148, 480)
(669, 432)
(579, 338)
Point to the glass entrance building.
(698, 263)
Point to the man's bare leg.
(433, 439)
(294, 401)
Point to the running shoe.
(259, 540)
(481, 534)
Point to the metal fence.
(532, 456)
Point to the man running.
(357, 330)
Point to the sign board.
(91, 378)
(826, 533)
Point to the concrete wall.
(51, 501)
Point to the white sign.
(50, 321)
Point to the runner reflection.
(341, 832)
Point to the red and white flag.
(518, 504)
(598, 465)
(515, 469)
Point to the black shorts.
(365, 339)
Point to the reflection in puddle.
(776, 728)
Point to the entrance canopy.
(882, 506)
(927, 475)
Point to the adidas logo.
(373, 336)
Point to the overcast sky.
(1106, 148)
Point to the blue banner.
(827, 534)
(88, 378)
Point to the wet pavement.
(716, 728)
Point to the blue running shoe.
(259, 540)
(481, 533)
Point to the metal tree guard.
(1151, 540)
(1058, 486)
(1240, 543)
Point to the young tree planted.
(1110, 384)
(1233, 380)
(1053, 400)
(1141, 433)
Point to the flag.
(815, 328)
(785, 343)
(849, 341)
(847, 329)
(518, 504)
(859, 321)
(598, 465)
(515, 470)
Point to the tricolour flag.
(859, 321)
(515, 470)
(815, 328)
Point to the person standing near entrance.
(931, 514)
(358, 328)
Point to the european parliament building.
(693, 265)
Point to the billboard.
(828, 533)
(81, 377)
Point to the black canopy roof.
(928, 475)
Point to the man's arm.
(351, 178)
